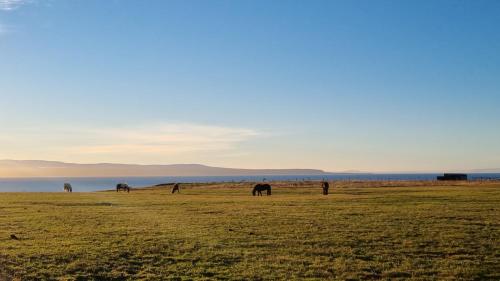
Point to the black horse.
(325, 185)
(258, 188)
(122, 186)
(176, 188)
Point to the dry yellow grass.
(363, 230)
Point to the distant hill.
(39, 168)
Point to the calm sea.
(97, 184)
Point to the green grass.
(363, 230)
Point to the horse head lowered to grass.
(68, 187)
(258, 188)
(122, 186)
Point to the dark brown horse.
(176, 188)
(258, 188)
(122, 186)
(325, 185)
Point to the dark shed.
(452, 177)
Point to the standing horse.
(123, 186)
(258, 188)
(325, 185)
(176, 188)
(68, 188)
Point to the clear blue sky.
(335, 85)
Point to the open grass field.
(362, 230)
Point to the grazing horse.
(122, 186)
(258, 188)
(325, 185)
(176, 188)
(68, 188)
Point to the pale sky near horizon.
(335, 85)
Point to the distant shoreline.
(88, 184)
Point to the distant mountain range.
(39, 168)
